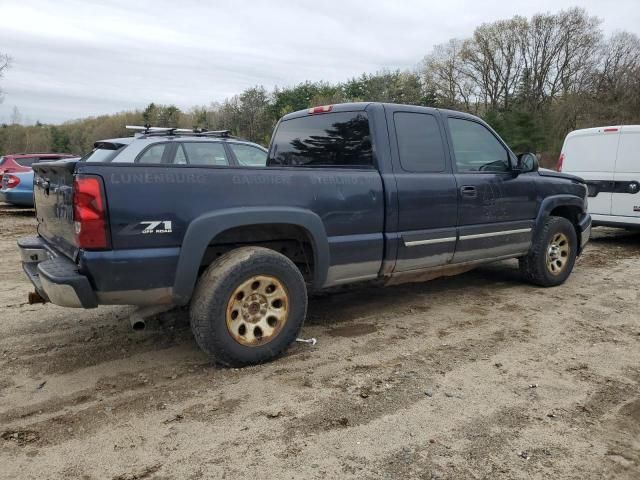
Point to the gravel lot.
(475, 376)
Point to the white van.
(608, 158)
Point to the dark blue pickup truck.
(349, 193)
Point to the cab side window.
(476, 149)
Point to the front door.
(496, 207)
(427, 193)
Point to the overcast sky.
(78, 58)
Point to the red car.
(21, 162)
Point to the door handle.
(469, 191)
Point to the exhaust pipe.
(138, 318)
(137, 322)
(35, 297)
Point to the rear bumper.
(55, 278)
(126, 277)
(18, 197)
(585, 230)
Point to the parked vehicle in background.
(608, 159)
(351, 192)
(22, 162)
(17, 188)
(172, 146)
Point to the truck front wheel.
(248, 306)
(553, 253)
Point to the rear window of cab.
(340, 139)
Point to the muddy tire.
(248, 306)
(552, 255)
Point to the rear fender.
(205, 228)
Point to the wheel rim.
(558, 254)
(257, 310)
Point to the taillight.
(321, 109)
(560, 162)
(89, 213)
(11, 181)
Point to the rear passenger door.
(496, 206)
(427, 194)
(327, 166)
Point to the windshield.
(104, 155)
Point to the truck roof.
(361, 106)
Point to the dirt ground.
(476, 376)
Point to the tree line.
(533, 80)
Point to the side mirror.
(527, 162)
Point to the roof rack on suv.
(198, 132)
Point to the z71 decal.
(148, 227)
(162, 226)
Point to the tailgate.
(53, 195)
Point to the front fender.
(550, 203)
(206, 227)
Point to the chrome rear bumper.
(55, 277)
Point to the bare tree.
(616, 80)
(619, 61)
(493, 60)
(558, 53)
(16, 116)
(443, 76)
(253, 106)
(5, 63)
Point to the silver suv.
(153, 145)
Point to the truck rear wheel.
(552, 255)
(248, 306)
